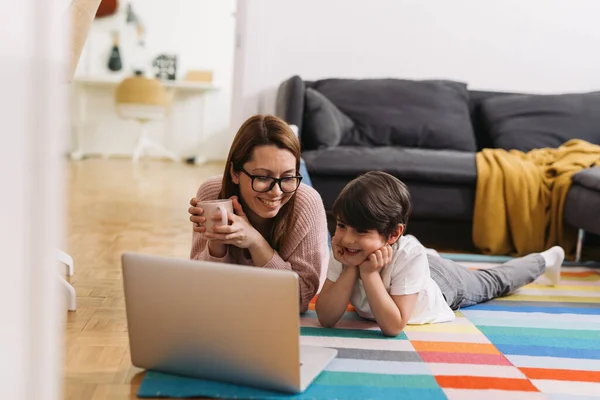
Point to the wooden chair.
(144, 100)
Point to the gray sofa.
(427, 134)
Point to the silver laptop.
(220, 322)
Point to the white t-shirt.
(407, 273)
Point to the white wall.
(512, 45)
(201, 33)
(33, 116)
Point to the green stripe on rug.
(538, 332)
(348, 333)
(377, 380)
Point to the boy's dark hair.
(374, 200)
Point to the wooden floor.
(114, 206)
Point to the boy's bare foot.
(554, 258)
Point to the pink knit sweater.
(306, 251)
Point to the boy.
(390, 277)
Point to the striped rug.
(539, 343)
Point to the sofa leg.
(580, 239)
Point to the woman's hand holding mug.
(239, 232)
(196, 215)
(205, 215)
(209, 213)
(219, 224)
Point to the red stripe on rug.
(578, 273)
(484, 382)
(561, 374)
(311, 305)
(455, 347)
(463, 358)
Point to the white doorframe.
(33, 118)
(238, 112)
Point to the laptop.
(217, 321)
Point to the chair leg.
(143, 143)
(140, 143)
(72, 296)
(580, 239)
(161, 149)
(67, 260)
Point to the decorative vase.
(114, 61)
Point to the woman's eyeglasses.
(262, 184)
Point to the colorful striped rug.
(539, 343)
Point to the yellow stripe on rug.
(565, 299)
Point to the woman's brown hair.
(263, 130)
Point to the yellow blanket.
(520, 197)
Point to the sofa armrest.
(589, 178)
(289, 104)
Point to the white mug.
(210, 207)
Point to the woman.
(278, 222)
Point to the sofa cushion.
(526, 122)
(323, 124)
(589, 178)
(431, 201)
(394, 112)
(435, 166)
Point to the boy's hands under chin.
(338, 251)
(377, 260)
